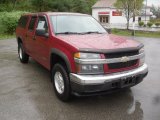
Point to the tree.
(60, 5)
(156, 11)
(127, 6)
(38, 4)
(82, 6)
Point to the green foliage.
(157, 24)
(9, 20)
(156, 11)
(155, 20)
(141, 24)
(60, 6)
(130, 7)
(137, 33)
(149, 24)
(82, 6)
(114, 30)
(9, 17)
(5, 7)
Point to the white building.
(105, 12)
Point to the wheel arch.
(58, 56)
(19, 40)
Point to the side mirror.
(42, 32)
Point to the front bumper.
(97, 83)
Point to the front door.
(42, 43)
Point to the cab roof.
(55, 13)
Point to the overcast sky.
(155, 2)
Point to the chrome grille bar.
(108, 61)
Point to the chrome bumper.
(102, 79)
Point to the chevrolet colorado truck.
(82, 57)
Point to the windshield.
(76, 24)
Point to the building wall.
(117, 20)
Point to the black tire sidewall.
(25, 57)
(65, 96)
(20, 47)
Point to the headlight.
(87, 56)
(86, 68)
(141, 50)
(142, 60)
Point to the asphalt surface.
(26, 92)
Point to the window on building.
(139, 19)
(104, 19)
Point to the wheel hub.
(59, 82)
(20, 53)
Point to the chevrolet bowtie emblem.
(125, 59)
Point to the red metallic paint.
(98, 41)
(69, 44)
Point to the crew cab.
(82, 57)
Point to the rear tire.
(24, 58)
(60, 82)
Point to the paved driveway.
(26, 92)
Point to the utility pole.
(146, 13)
(134, 17)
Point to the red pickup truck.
(82, 57)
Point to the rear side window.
(32, 23)
(23, 21)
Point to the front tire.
(60, 82)
(24, 58)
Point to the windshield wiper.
(67, 33)
(90, 32)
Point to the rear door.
(21, 30)
(31, 36)
(42, 43)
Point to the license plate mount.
(126, 82)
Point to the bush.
(9, 20)
(141, 24)
(6, 7)
(157, 24)
(155, 20)
(149, 24)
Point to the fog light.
(89, 69)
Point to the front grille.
(121, 54)
(122, 64)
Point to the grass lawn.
(6, 36)
(137, 33)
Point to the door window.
(32, 23)
(42, 23)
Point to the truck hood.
(98, 41)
